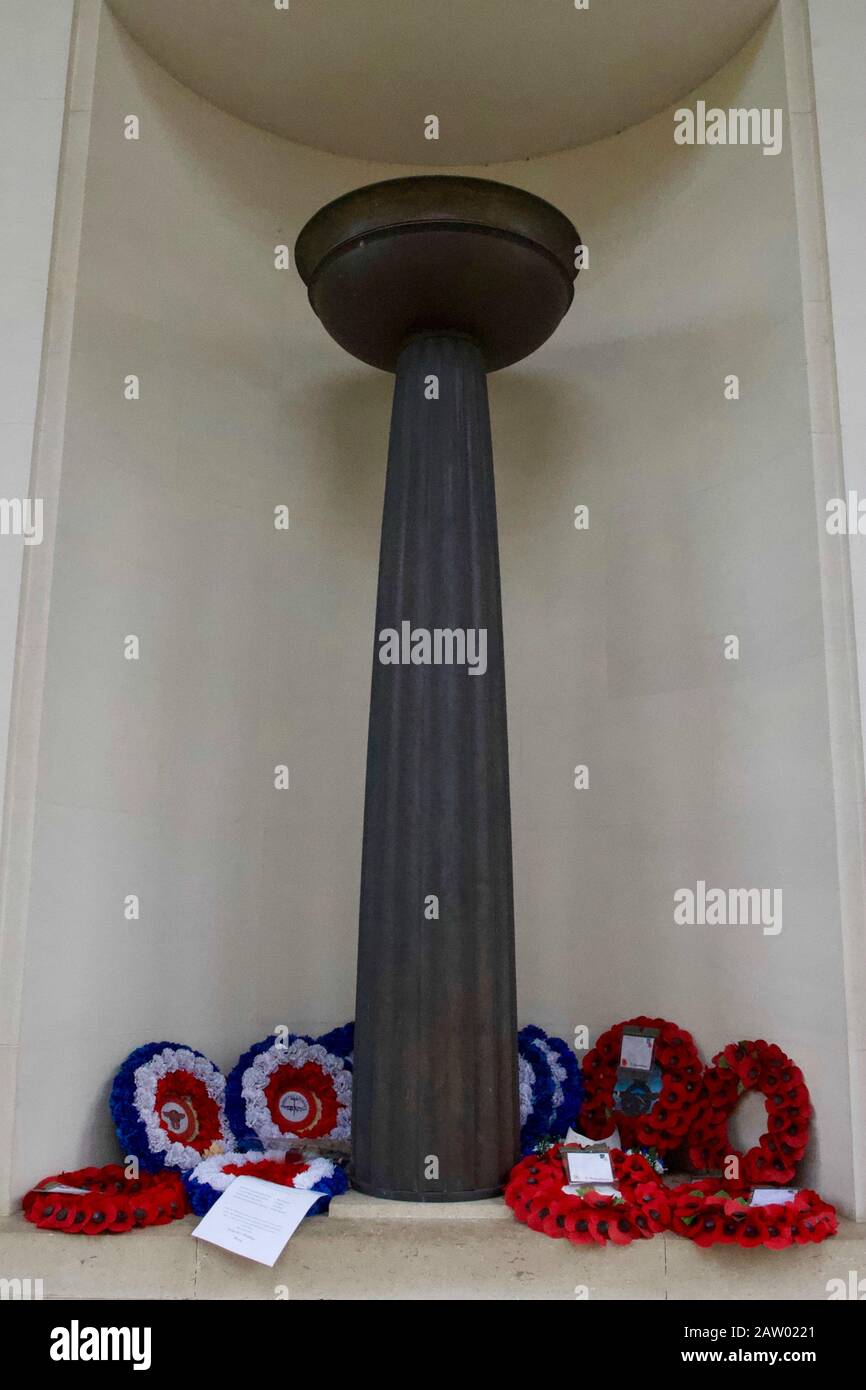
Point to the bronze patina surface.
(442, 253)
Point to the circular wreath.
(665, 1126)
(752, 1066)
(167, 1107)
(213, 1175)
(340, 1041)
(549, 1086)
(112, 1202)
(292, 1088)
(535, 1195)
(709, 1215)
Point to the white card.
(611, 1142)
(773, 1196)
(61, 1187)
(589, 1167)
(636, 1053)
(605, 1189)
(255, 1218)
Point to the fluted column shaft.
(435, 1088)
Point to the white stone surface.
(357, 1206)
(324, 75)
(156, 777)
(34, 54)
(833, 34)
(419, 1260)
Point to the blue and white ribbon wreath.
(309, 1173)
(549, 1086)
(168, 1106)
(293, 1089)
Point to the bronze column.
(441, 280)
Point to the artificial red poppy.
(671, 1114)
(708, 1215)
(111, 1203)
(535, 1194)
(740, 1067)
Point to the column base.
(369, 1190)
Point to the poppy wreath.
(111, 1204)
(709, 1215)
(549, 1086)
(534, 1193)
(167, 1103)
(752, 1066)
(213, 1175)
(292, 1089)
(666, 1125)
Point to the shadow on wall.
(536, 426)
(529, 419)
(353, 413)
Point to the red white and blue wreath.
(167, 1103)
(549, 1086)
(212, 1176)
(293, 1089)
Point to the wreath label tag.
(588, 1165)
(638, 1078)
(772, 1196)
(583, 1141)
(636, 1049)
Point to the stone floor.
(366, 1249)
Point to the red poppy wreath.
(641, 1209)
(104, 1201)
(752, 1066)
(709, 1215)
(665, 1125)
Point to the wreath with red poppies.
(534, 1193)
(167, 1105)
(292, 1088)
(752, 1066)
(306, 1172)
(708, 1214)
(666, 1125)
(108, 1202)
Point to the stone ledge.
(357, 1206)
(419, 1258)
